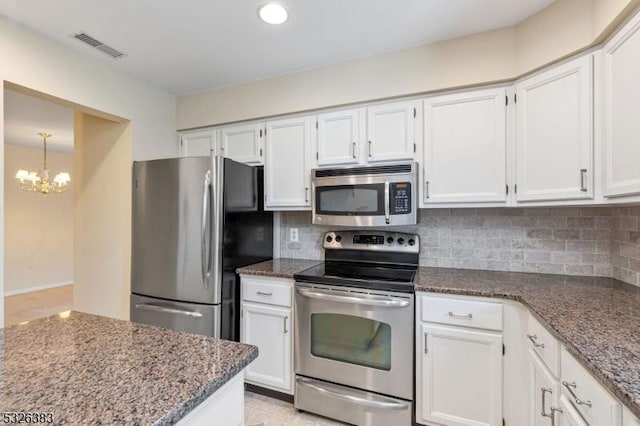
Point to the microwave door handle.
(387, 214)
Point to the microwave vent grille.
(357, 171)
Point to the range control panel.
(372, 240)
(400, 198)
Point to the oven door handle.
(350, 396)
(387, 203)
(387, 302)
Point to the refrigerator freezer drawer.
(188, 317)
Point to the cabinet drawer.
(589, 398)
(267, 290)
(467, 313)
(545, 345)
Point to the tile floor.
(37, 304)
(260, 410)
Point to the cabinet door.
(460, 380)
(544, 393)
(287, 172)
(198, 144)
(554, 146)
(465, 147)
(338, 138)
(268, 328)
(391, 131)
(243, 143)
(622, 127)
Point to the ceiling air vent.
(97, 44)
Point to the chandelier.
(39, 181)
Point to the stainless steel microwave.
(365, 196)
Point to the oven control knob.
(338, 238)
(390, 240)
(412, 242)
(329, 238)
(400, 240)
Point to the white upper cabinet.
(287, 164)
(243, 143)
(339, 137)
(465, 147)
(197, 144)
(554, 133)
(620, 105)
(391, 131)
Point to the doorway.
(39, 227)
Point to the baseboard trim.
(32, 289)
(268, 392)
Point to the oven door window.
(350, 200)
(351, 339)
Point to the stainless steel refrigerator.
(195, 220)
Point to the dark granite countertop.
(88, 369)
(597, 319)
(280, 268)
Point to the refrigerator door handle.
(157, 308)
(206, 234)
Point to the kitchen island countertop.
(88, 369)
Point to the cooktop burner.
(378, 277)
(379, 260)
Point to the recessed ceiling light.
(273, 14)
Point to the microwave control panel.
(400, 198)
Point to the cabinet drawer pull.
(264, 293)
(544, 392)
(285, 325)
(369, 148)
(426, 350)
(467, 316)
(583, 175)
(534, 340)
(553, 414)
(306, 194)
(354, 150)
(570, 387)
(426, 189)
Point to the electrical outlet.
(293, 235)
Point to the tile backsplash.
(625, 247)
(595, 241)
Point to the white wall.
(38, 229)
(30, 60)
(563, 28)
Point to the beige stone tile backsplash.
(625, 247)
(594, 241)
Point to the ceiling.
(25, 116)
(196, 45)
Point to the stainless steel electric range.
(354, 329)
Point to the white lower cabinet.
(459, 375)
(594, 403)
(544, 392)
(568, 416)
(269, 327)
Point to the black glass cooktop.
(361, 275)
